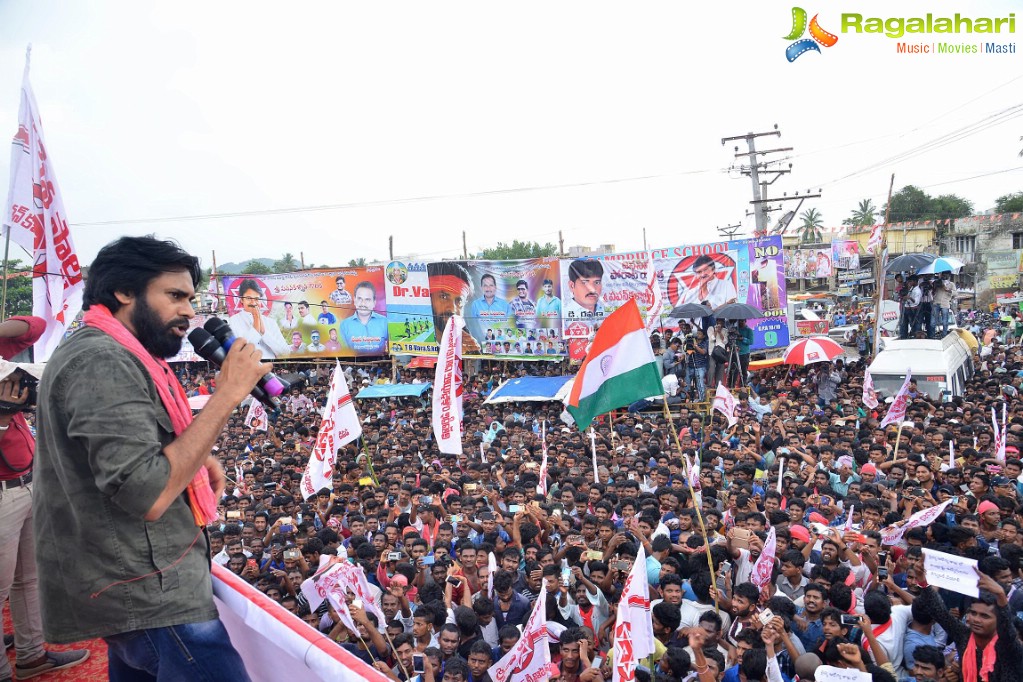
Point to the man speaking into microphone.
(125, 483)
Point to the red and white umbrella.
(812, 349)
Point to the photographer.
(18, 574)
(672, 359)
(926, 306)
(697, 351)
(745, 345)
(944, 294)
(717, 341)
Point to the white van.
(941, 367)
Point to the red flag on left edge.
(35, 220)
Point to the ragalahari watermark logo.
(818, 36)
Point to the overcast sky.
(613, 111)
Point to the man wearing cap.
(845, 476)
(990, 519)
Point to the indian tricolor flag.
(619, 368)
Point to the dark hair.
(129, 264)
(877, 606)
(928, 653)
(366, 285)
(585, 267)
(249, 285)
(669, 615)
(754, 663)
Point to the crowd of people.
(458, 548)
(424, 526)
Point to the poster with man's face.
(337, 313)
(511, 309)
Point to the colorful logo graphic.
(817, 35)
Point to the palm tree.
(863, 214)
(810, 231)
(287, 263)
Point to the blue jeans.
(939, 320)
(196, 651)
(698, 375)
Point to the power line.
(388, 202)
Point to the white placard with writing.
(951, 572)
(827, 673)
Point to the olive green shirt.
(99, 468)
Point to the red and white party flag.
(897, 411)
(724, 402)
(764, 566)
(447, 389)
(869, 394)
(340, 426)
(530, 658)
(634, 630)
(36, 221)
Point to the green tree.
(865, 213)
(19, 289)
(286, 263)
(949, 206)
(810, 231)
(254, 267)
(1009, 203)
(356, 262)
(519, 249)
(912, 203)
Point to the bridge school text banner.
(744, 270)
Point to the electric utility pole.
(756, 169)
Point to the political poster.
(809, 263)
(512, 309)
(303, 315)
(409, 312)
(744, 270)
(845, 254)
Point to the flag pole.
(7, 250)
(898, 439)
(7, 231)
(881, 274)
(699, 514)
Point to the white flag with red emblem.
(340, 427)
(764, 566)
(36, 221)
(634, 626)
(256, 418)
(542, 486)
(875, 239)
(869, 394)
(897, 411)
(724, 402)
(655, 301)
(447, 389)
(530, 659)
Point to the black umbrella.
(910, 261)
(690, 311)
(738, 311)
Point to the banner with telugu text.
(311, 314)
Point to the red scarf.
(878, 631)
(200, 495)
(987, 665)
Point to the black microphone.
(221, 330)
(209, 349)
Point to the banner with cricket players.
(409, 310)
(310, 314)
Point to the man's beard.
(156, 336)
